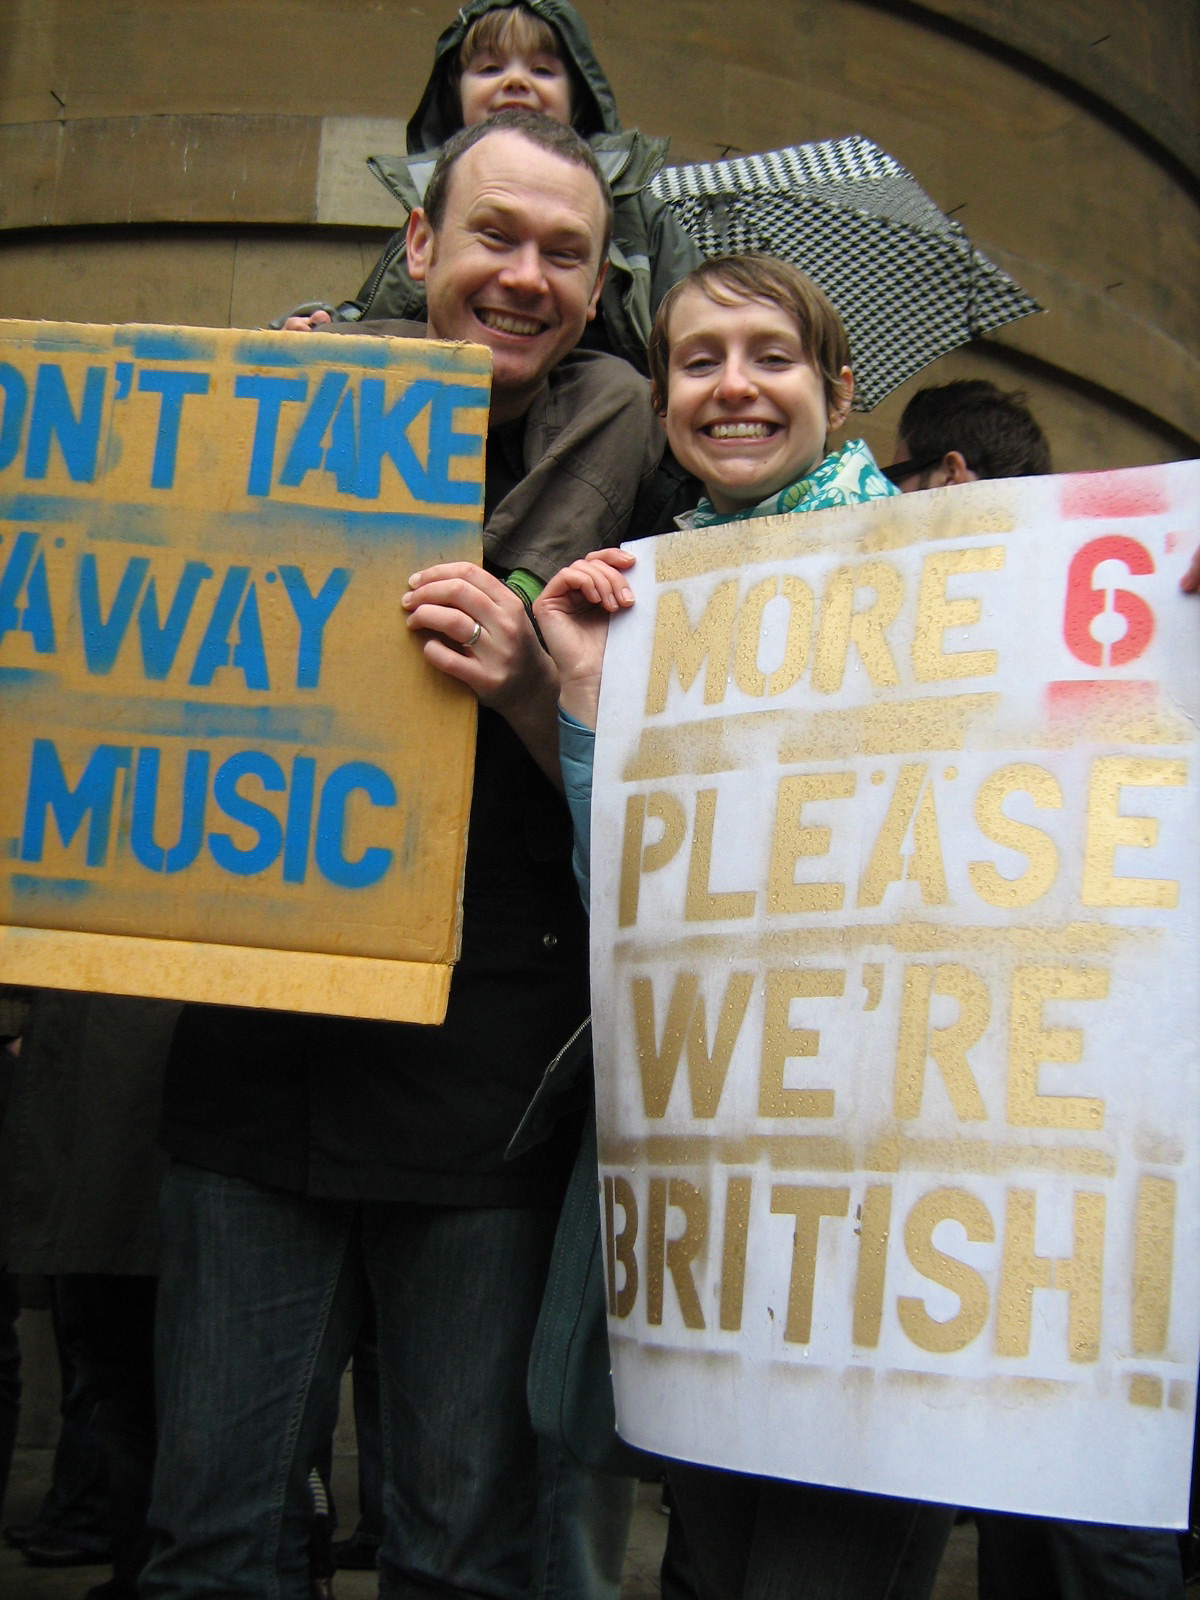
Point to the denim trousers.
(261, 1297)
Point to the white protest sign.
(895, 900)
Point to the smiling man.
(319, 1160)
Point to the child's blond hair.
(727, 280)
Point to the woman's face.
(746, 407)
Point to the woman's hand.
(573, 612)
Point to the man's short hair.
(994, 432)
(542, 131)
(727, 280)
(503, 30)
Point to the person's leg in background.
(763, 1539)
(115, 1315)
(10, 1374)
(72, 1526)
(260, 1297)
(1097, 1561)
(457, 1293)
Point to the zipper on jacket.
(391, 251)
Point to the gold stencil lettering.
(1038, 877)
(636, 861)
(677, 644)
(686, 1027)
(656, 1250)
(1022, 1271)
(792, 839)
(622, 1255)
(841, 625)
(808, 1204)
(948, 1046)
(873, 1231)
(943, 1205)
(936, 613)
(1153, 1265)
(781, 1041)
(702, 905)
(886, 865)
(684, 1249)
(733, 1252)
(746, 674)
(1108, 830)
(1031, 1043)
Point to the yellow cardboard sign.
(230, 774)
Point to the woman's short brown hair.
(726, 280)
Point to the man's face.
(515, 264)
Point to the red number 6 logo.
(1085, 603)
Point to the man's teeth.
(504, 322)
(740, 430)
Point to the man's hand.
(1190, 582)
(309, 324)
(480, 634)
(573, 612)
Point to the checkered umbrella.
(907, 281)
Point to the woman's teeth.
(740, 430)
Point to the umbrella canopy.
(907, 281)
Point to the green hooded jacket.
(650, 251)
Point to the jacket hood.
(437, 115)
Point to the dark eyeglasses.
(899, 471)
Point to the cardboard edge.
(215, 974)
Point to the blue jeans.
(261, 1297)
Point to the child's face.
(506, 79)
(746, 408)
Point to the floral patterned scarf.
(846, 478)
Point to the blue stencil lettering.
(91, 798)
(312, 613)
(145, 807)
(305, 454)
(214, 649)
(172, 386)
(254, 764)
(299, 820)
(160, 645)
(24, 573)
(102, 637)
(54, 417)
(331, 825)
(270, 394)
(16, 394)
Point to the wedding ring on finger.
(474, 639)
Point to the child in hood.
(536, 55)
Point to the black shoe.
(50, 1550)
(358, 1553)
